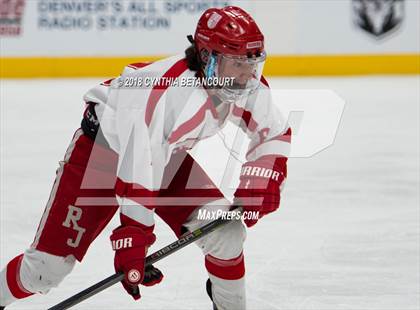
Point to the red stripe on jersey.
(176, 70)
(192, 123)
(13, 278)
(286, 137)
(139, 65)
(264, 81)
(136, 192)
(107, 82)
(128, 221)
(231, 269)
(246, 116)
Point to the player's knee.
(39, 271)
(226, 242)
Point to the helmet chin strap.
(226, 96)
(220, 95)
(218, 99)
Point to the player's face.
(241, 71)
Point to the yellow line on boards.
(12, 67)
(276, 65)
(307, 65)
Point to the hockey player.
(131, 154)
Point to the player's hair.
(191, 55)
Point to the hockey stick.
(150, 259)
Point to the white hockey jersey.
(146, 125)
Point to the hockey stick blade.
(150, 259)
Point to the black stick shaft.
(151, 259)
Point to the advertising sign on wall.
(11, 12)
(95, 37)
(102, 27)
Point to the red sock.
(13, 278)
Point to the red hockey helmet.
(230, 45)
(229, 30)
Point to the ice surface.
(346, 235)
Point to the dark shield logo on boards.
(379, 18)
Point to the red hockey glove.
(130, 244)
(259, 187)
